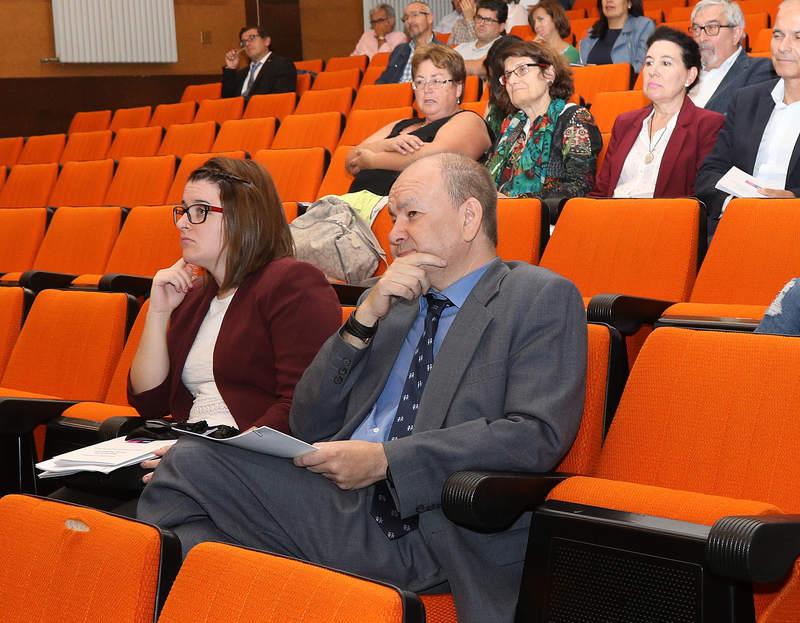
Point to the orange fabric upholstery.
(329, 100)
(472, 89)
(11, 303)
(365, 122)
(479, 108)
(761, 42)
(188, 138)
(167, 114)
(439, 608)
(608, 104)
(83, 183)
(346, 311)
(581, 27)
(716, 310)
(592, 79)
(679, 13)
(21, 233)
(523, 31)
(189, 163)
(233, 580)
(290, 210)
(379, 59)
(372, 74)
(381, 227)
(273, 105)
(337, 180)
(71, 563)
(317, 130)
(376, 96)
(303, 83)
(314, 64)
(10, 149)
(249, 135)
(87, 146)
(92, 121)
(29, 186)
(297, 173)
(636, 247)
(69, 345)
(220, 110)
(338, 63)
(137, 117)
(519, 227)
(141, 181)
(42, 149)
(136, 142)
(200, 92)
(337, 79)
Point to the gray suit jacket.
(745, 70)
(505, 393)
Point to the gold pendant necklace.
(649, 156)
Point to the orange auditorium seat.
(141, 181)
(337, 180)
(472, 89)
(337, 79)
(522, 229)
(479, 108)
(315, 130)
(12, 311)
(384, 96)
(83, 183)
(10, 149)
(136, 142)
(523, 31)
(188, 138)
(581, 27)
(86, 146)
(276, 105)
(137, 117)
(303, 83)
(365, 122)
(29, 186)
(379, 59)
(297, 173)
(608, 104)
(220, 110)
(338, 63)
(42, 149)
(167, 114)
(329, 100)
(249, 135)
(200, 92)
(21, 233)
(189, 163)
(762, 41)
(313, 65)
(592, 79)
(90, 121)
(373, 73)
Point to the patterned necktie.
(251, 78)
(383, 508)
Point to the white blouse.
(198, 371)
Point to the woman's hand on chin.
(170, 286)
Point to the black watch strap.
(358, 330)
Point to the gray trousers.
(210, 492)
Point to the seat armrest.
(492, 501)
(761, 549)
(19, 416)
(712, 323)
(135, 285)
(118, 426)
(38, 280)
(625, 313)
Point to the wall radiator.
(440, 8)
(115, 31)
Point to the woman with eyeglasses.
(619, 35)
(657, 150)
(234, 323)
(438, 75)
(548, 147)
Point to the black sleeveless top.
(379, 181)
(601, 52)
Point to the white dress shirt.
(777, 142)
(638, 178)
(261, 62)
(470, 51)
(710, 80)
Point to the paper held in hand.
(103, 457)
(264, 440)
(739, 184)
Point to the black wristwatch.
(360, 331)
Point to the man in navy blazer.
(718, 27)
(266, 73)
(418, 20)
(761, 135)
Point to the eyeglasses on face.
(480, 19)
(196, 212)
(436, 84)
(408, 16)
(245, 40)
(378, 20)
(519, 71)
(711, 29)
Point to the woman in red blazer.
(229, 345)
(656, 151)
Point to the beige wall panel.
(330, 27)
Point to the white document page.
(264, 440)
(739, 184)
(103, 457)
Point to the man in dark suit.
(718, 28)
(266, 73)
(761, 135)
(454, 360)
(418, 20)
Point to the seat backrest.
(753, 254)
(136, 142)
(29, 185)
(297, 173)
(472, 89)
(581, 27)
(379, 59)
(522, 229)
(638, 247)
(313, 64)
(95, 566)
(91, 121)
(200, 92)
(147, 242)
(167, 114)
(272, 105)
(338, 63)
(83, 183)
(249, 135)
(69, 345)
(141, 181)
(337, 79)
(79, 240)
(118, 386)
(679, 13)
(189, 163)
(365, 122)
(21, 233)
(479, 108)
(188, 138)
(329, 100)
(137, 117)
(289, 210)
(12, 302)
(373, 73)
(10, 149)
(761, 42)
(220, 110)
(372, 96)
(732, 433)
(317, 130)
(592, 79)
(42, 149)
(337, 179)
(523, 31)
(608, 104)
(87, 146)
(298, 591)
(303, 84)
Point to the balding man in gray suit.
(454, 360)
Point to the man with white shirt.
(266, 73)
(718, 27)
(490, 23)
(761, 131)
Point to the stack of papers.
(264, 440)
(739, 184)
(102, 457)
